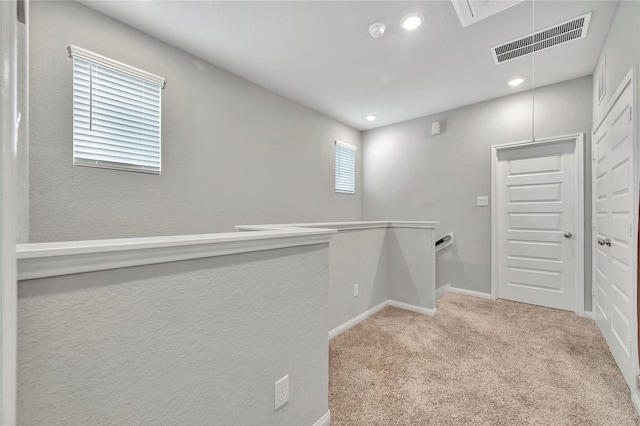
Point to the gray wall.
(357, 257)
(233, 152)
(193, 342)
(411, 175)
(411, 264)
(387, 263)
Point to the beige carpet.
(476, 362)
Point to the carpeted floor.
(476, 362)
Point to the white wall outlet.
(282, 392)
(356, 290)
(483, 201)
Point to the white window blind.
(116, 114)
(345, 168)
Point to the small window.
(345, 168)
(116, 114)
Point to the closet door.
(613, 207)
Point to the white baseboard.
(412, 308)
(590, 315)
(470, 292)
(355, 320)
(441, 291)
(324, 420)
(366, 314)
(635, 398)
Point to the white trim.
(472, 293)
(601, 79)
(578, 140)
(357, 319)
(590, 315)
(343, 226)
(87, 55)
(346, 145)
(324, 420)
(628, 79)
(412, 308)
(380, 306)
(635, 398)
(63, 258)
(441, 291)
(8, 215)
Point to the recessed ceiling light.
(516, 81)
(412, 21)
(371, 117)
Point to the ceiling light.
(516, 81)
(371, 117)
(412, 21)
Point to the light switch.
(483, 201)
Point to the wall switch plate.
(282, 392)
(483, 201)
(356, 290)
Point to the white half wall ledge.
(40, 260)
(343, 226)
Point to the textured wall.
(411, 175)
(233, 152)
(194, 342)
(357, 257)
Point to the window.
(345, 168)
(116, 114)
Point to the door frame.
(578, 141)
(8, 216)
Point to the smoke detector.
(376, 30)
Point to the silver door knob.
(607, 242)
(601, 241)
(568, 235)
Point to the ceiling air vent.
(565, 32)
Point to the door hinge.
(593, 223)
(593, 154)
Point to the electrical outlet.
(282, 392)
(356, 290)
(482, 201)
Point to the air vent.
(565, 32)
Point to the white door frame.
(8, 218)
(578, 141)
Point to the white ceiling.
(320, 54)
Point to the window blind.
(345, 168)
(116, 114)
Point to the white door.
(613, 211)
(536, 211)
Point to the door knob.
(601, 241)
(607, 242)
(568, 235)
